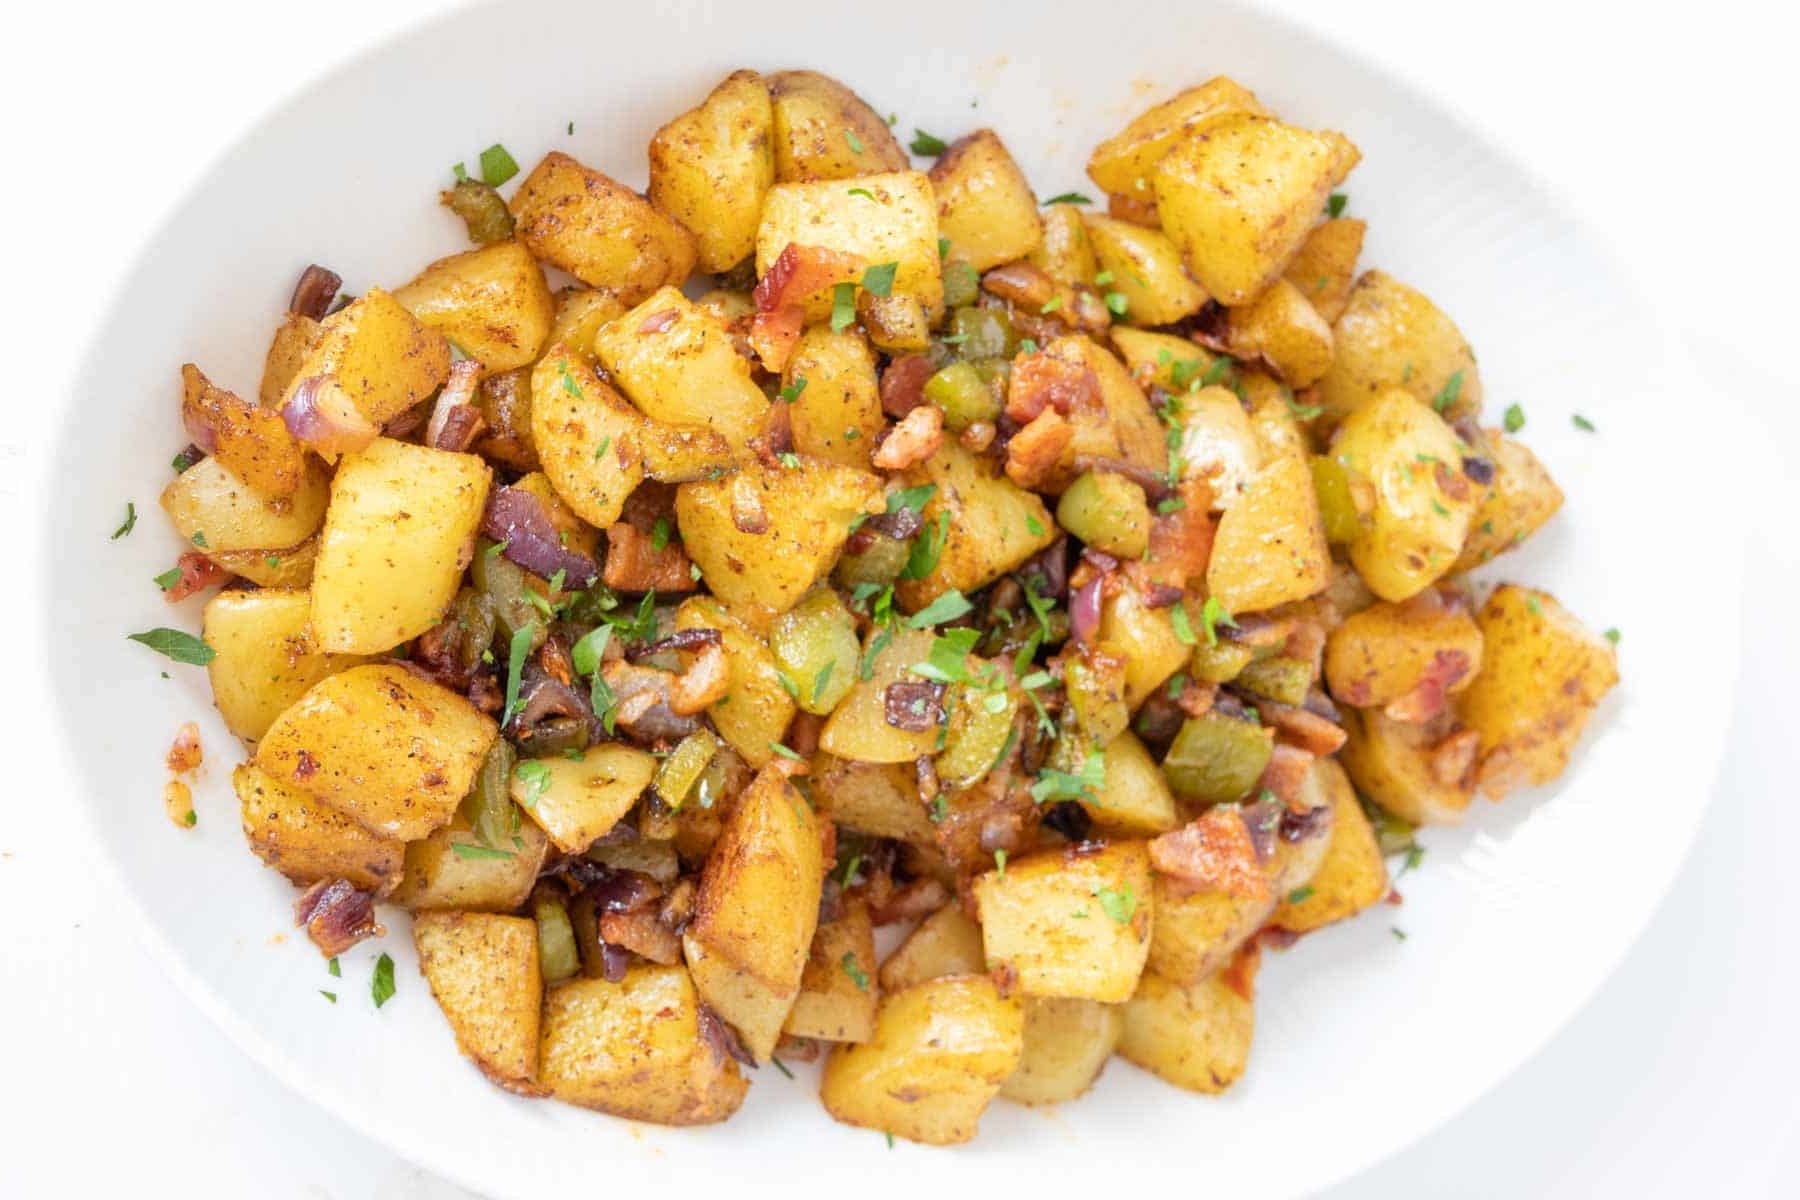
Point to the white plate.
(1365, 1042)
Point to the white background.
(1672, 125)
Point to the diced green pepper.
(963, 395)
(1216, 759)
(982, 333)
(489, 807)
(1108, 512)
(816, 649)
(981, 721)
(879, 563)
(1277, 677)
(1096, 690)
(482, 210)
(1219, 663)
(678, 773)
(962, 284)
(505, 583)
(557, 956)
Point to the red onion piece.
(199, 428)
(320, 415)
(1084, 610)
(314, 292)
(336, 915)
(517, 518)
(454, 420)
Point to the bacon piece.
(1307, 730)
(1286, 772)
(1020, 283)
(1453, 758)
(1213, 852)
(634, 564)
(915, 439)
(1041, 381)
(1181, 540)
(336, 915)
(1429, 695)
(640, 932)
(1196, 698)
(198, 573)
(1033, 454)
(916, 899)
(797, 273)
(913, 706)
(185, 753)
(903, 383)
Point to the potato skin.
(307, 840)
(985, 205)
(711, 167)
(1391, 763)
(945, 943)
(1324, 268)
(1285, 331)
(483, 971)
(1392, 336)
(815, 118)
(1521, 499)
(1196, 1037)
(1386, 651)
(492, 302)
(1053, 918)
(600, 231)
(252, 441)
(264, 655)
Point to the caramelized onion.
(518, 519)
(321, 416)
(314, 291)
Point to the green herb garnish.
(128, 524)
(381, 985)
(173, 643)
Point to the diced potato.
(879, 799)
(677, 365)
(1219, 441)
(757, 910)
(294, 339)
(1197, 932)
(633, 1049)
(764, 536)
(985, 523)
(1325, 265)
(1543, 674)
(504, 403)
(1272, 416)
(898, 225)
(1128, 427)
(1239, 194)
(378, 356)
(1353, 875)
(1387, 652)
(1391, 336)
(1270, 546)
(1145, 637)
(1070, 922)
(1285, 331)
(1125, 162)
(483, 970)
(576, 801)
(1065, 254)
(217, 512)
(858, 728)
(1066, 1045)
(1196, 1037)
(308, 841)
(588, 439)
(837, 990)
(836, 413)
(1391, 762)
(711, 167)
(823, 130)
(264, 655)
(400, 531)
(985, 205)
(1146, 270)
(755, 712)
(1420, 502)
(940, 1053)
(682, 454)
(1135, 800)
(1161, 359)
(291, 568)
(945, 943)
(600, 231)
(491, 302)
(253, 442)
(1521, 499)
(580, 312)
(896, 324)
(382, 745)
(439, 876)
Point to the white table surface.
(1674, 128)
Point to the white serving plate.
(1364, 1042)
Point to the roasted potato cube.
(1125, 162)
(634, 1049)
(1353, 875)
(1070, 922)
(1283, 330)
(837, 990)
(291, 568)
(1521, 499)
(755, 712)
(1145, 269)
(676, 364)
(1197, 932)
(382, 745)
(264, 655)
(858, 728)
(757, 910)
(588, 439)
(308, 841)
(711, 167)
(1325, 265)
(580, 312)
(945, 943)
(1065, 254)
(823, 130)
(1135, 800)
(439, 876)
(879, 799)
(1162, 360)
(835, 411)
(1542, 675)
(253, 442)
(1145, 637)
(898, 225)
(219, 512)
(940, 1053)
(1272, 408)
(682, 454)
(984, 524)
(483, 971)
(576, 801)
(491, 302)
(400, 531)
(1239, 193)
(1406, 656)
(1218, 440)
(1125, 425)
(1066, 1045)
(1270, 545)
(1408, 768)
(764, 536)
(1391, 336)
(985, 205)
(1196, 1037)
(600, 231)
(378, 356)
(294, 339)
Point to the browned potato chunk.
(377, 355)
(1391, 336)
(1135, 800)
(1325, 265)
(308, 841)
(439, 876)
(1145, 637)
(1070, 922)
(1406, 657)
(879, 799)
(1066, 1045)
(945, 943)
(634, 1049)
(1144, 268)
(836, 407)
(253, 442)
(889, 218)
(1197, 932)
(294, 339)
(491, 302)
(1542, 676)
(940, 1053)
(1124, 162)
(219, 512)
(1522, 498)
(985, 205)
(837, 990)
(1419, 773)
(290, 568)
(1283, 330)
(264, 655)
(599, 231)
(1353, 876)
(483, 971)
(1065, 254)
(588, 439)
(984, 524)
(858, 728)
(1126, 426)
(577, 801)
(711, 167)
(580, 312)
(823, 130)
(1270, 545)
(1196, 1037)
(755, 711)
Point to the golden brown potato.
(253, 443)
(439, 876)
(1325, 265)
(1521, 499)
(1124, 162)
(483, 971)
(264, 655)
(837, 990)
(634, 1049)
(823, 130)
(985, 205)
(1163, 360)
(1218, 440)
(218, 512)
(571, 530)
(879, 799)
(711, 167)
(1197, 932)
(1239, 193)
(1391, 336)
(382, 745)
(580, 312)
(1272, 420)
(399, 533)
(940, 1052)
(1147, 640)
(308, 841)
(492, 302)
(945, 943)
(291, 568)
(985, 524)
(1072, 922)
(377, 356)
(764, 536)
(600, 231)
(754, 713)
(294, 339)
(1270, 545)
(1143, 267)
(1135, 800)
(896, 221)
(576, 801)
(682, 454)
(1543, 674)
(1065, 254)
(1353, 875)
(1066, 1045)
(587, 438)
(1405, 657)
(1283, 330)
(835, 410)
(757, 910)
(1196, 1037)
(1127, 426)
(1411, 770)
(858, 728)
(677, 365)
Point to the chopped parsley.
(175, 644)
(497, 166)
(947, 607)
(862, 192)
(915, 498)
(381, 985)
(1027, 346)
(1305, 412)
(786, 751)
(199, 538)
(1334, 206)
(1116, 303)
(586, 653)
(1034, 527)
(331, 996)
(1050, 305)
(128, 524)
(168, 578)
(516, 651)
(1169, 504)
(792, 391)
(1213, 615)
(843, 307)
(1220, 368)
(927, 546)
(1452, 389)
(925, 144)
(857, 975)
(1582, 423)
(469, 850)
(1514, 420)
(946, 661)
(332, 969)
(659, 535)
(821, 680)
(1399, 933)
(1119, 904)
(536, 778)
(789, 459)
(1000, 863)
(1612, 635)
(1299, 895)
(1069, 198)
(878, 280)
(1184, 629)
(1053, 785)
(854, 142)
(781, 1066)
